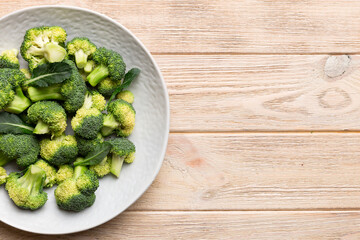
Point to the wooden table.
(265, 119)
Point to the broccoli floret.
(26, 191)
(50, 173)
(126, 96)
(64, 172)
(8, 59)
(85, 145)
(78, 192)
(102, 168)
(72, 91)
(3, 176)
(81, 48)
(106, 87)
(49, 116)
(24, 148)
(43, 44)
(12, 98)
(89, 120)
(110, 63)
(123, 150)
(60, 150)
(120, 117)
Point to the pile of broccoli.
(38, 103)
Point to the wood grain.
(251, 26)
(262, 92)
(215, 225)
(257, 172)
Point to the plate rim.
(167, 108)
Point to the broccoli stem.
(20, 102)
(78, 171)
(4, 159)
(88, 101)
(54, 52)
(46, 93)
(80, 58)
(116, 164)
(33, 179)
(89, 66)
(109, 125)
(98, 74)
(41, 128)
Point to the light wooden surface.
(265, 119)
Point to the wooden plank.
(257, 172)
(262, 92)
(238, 26)
(215, 225)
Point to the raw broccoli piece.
(106, 87)
(89, 120)
(12, 98)
(120, 117)
(81, 48)
(3, 176)
(78, 192)
(60, 150)
(64, 172)
(48, 116)
(50, 173)
(72, 91)
(110, 63)
(26, 190)
(26, 73)
(43, 44)
(8, 59)
(24, 148)
(102, 168)
(90, 65)
(123, 150)
(126, 96)
(85, 145)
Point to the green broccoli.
(89, 120)
(81, 48)
(72, 91)
(43, 44)
(64, 172)
(50, 173)
(78, 192)
(26, 73)
(106, 87)
(49, 116)
(85, 145)
(24, 148)
(89, 67)
(123, 150)
(26, 190)
(102, 168)
(60, 150)
(120, 117)
(8, 59)
(12, 98)
(126, 96)
(3, 176)
(110, 63)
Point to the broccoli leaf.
(49, 74)
(129, 77)
(10, 123)
(96, 155)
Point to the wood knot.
(334, 98)
(336, 66)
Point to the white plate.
(150, 134)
